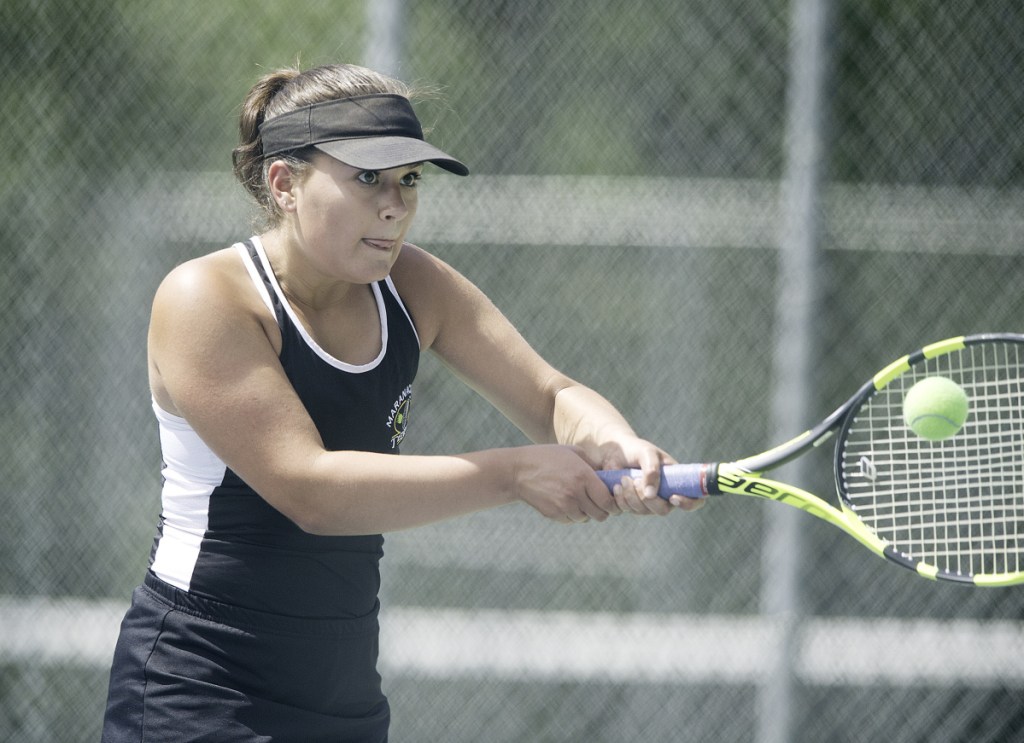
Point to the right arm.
(213, 359)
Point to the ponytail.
(247, 157)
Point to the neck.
(301, 284)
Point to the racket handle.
(689, 480)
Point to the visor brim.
(383, 153)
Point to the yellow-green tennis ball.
(935, 408)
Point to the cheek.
(318, 213)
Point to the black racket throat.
(712, 485)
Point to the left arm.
(475, 340)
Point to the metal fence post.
(797, 297)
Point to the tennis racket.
(952, 509)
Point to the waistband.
(243, 618)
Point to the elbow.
(311, 523)
(310, 493)
(313, 517)
(302, 507)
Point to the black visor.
(370, 132)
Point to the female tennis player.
(281, 371)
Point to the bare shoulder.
(430, 289)
(448, 308)
(212, 289)
(417, 270)
(205, 308)
(214, 277)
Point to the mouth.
(378, 243)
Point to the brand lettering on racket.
(761, 489)
(867, 469)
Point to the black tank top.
(251, 555)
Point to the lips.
(379, 244)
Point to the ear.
(281, 182)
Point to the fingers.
(562, 485)
(597, 503)
(558, 481)
(631, 496)
(636, 497)
(640, 496)
(651, 466)
(584, 509)
(686, 504)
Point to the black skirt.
(190, 669)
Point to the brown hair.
(288, 89)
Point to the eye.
(369, 177)
(411, 179)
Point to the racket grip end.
(689, 480)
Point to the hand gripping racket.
(951, 509)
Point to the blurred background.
(723, 214)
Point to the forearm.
(381, 493)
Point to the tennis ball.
(935, 408)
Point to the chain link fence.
(632, 210)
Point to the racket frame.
(746, 476)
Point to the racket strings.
(957, 504)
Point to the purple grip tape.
(676, 479)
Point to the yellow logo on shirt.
(398, 420)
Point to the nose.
(392, 205)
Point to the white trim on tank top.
(310, 341)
